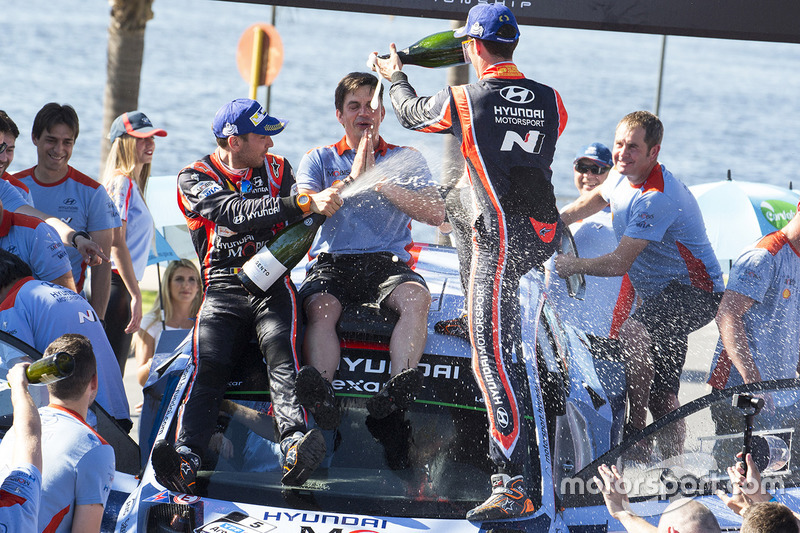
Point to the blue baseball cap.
(485, 20)
(243, 116)
(598, 153)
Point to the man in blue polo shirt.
(63, 192)
(361, 254)
(77, 463)
(664, 248)
(759, 328)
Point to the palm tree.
(125, 51)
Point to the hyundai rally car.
(425, 473)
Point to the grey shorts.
(669, 318)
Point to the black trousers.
(118, 314)
(228, 320)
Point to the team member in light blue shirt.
(37, 244)
(759, 316)
(77, 463)
(759, 327)
(62, 192)
(664, 248)
(15, 197)
(38, 312)
(362, 252)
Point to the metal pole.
(660, 73)
(453, 160)
(255, 64)
(269, 87)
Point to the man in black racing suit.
(234, 201)
(508, 126)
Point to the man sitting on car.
(361, 254)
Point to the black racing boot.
(315, 393)
(175, 468)
(302, 457)
(398, 394)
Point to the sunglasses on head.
(594, 169)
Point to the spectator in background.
(683, 515)
(770, 517)
(78, 465)
(748, 492)
(62, 192)
(21, 489)
(9, 132)
(608, 300)
(38, 312)
(174, 309)
(125, 178)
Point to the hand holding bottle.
(326, 202)
(18, 377)
(386, 66)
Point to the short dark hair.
(651, 124)
(7, 125)
(504, 50)
(223, 143)
(80, 348)
(769, 517)
(53, 114)
(351, 83)
(12, 268)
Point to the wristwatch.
(80, 234)
(304, 202)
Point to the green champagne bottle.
(438, 50)
(49, 369)
(281, 253)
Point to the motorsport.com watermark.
(669, 479)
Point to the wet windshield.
(433, 462)
(690, 449)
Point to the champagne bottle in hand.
(440, 49)
(283, 251)
(47, 370)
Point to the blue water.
(726, 104)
